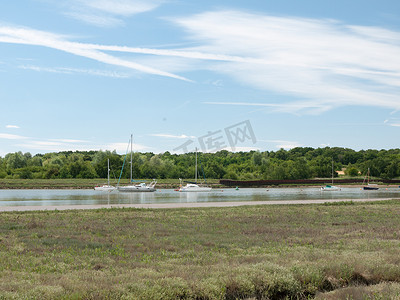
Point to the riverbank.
(84, 183)
(161, 184)
(344, 250)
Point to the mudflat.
(184, 205)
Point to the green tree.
(15, 160)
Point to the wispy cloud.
(62, 70)
(64, 144)
(54, 146)
(172, 136)
(107, 13)
(322, 63)
(122, 7)
(96, 20)
(392, 122)
(57, 145)
(283, 144)
(8, 136)
(122, 147)
(18, 35)
(12, 126)
(294, 107)
(325, 63)
(69, 141)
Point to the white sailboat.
(193, 186)
(331, 187)
(141, 187)
(106, 187)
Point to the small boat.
(369, 186)
(106, 187)
(331, 187)
(193, 186)
(141, 187)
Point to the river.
(91, 197)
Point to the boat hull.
(105, 188)
(370, 188)
(136, 189)
(199, 189)
(330, 188)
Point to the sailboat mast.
(108, 171)
(131, 156)
(332, 171)
(195, 175)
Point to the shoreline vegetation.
(162, 183)
(300, 163)
(85, 183)
(345, 250)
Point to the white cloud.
(284, 144)
(18, 35)
(322, 63)
(107, 13)
(123, 148)
(293, 107)
(121, 7)
(35, 145)
(62, 70)
(96, 20)
(12, 126)
(11, 136)
(325, 62)
(392, 122)
(172, 136)
(57, 145)
(69, 141)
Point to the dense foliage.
(297, 163)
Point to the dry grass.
(260, 252)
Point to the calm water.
(88, 197)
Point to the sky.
(185, 74)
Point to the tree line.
(297, 163)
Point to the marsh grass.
(259, 252)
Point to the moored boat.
(193, 186)
(369, 186)
(142, 186)
(106, 187)
(330, 187)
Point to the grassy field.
(337, 251)
(82, 183)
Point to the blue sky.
(239, 75)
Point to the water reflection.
(91, 197)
